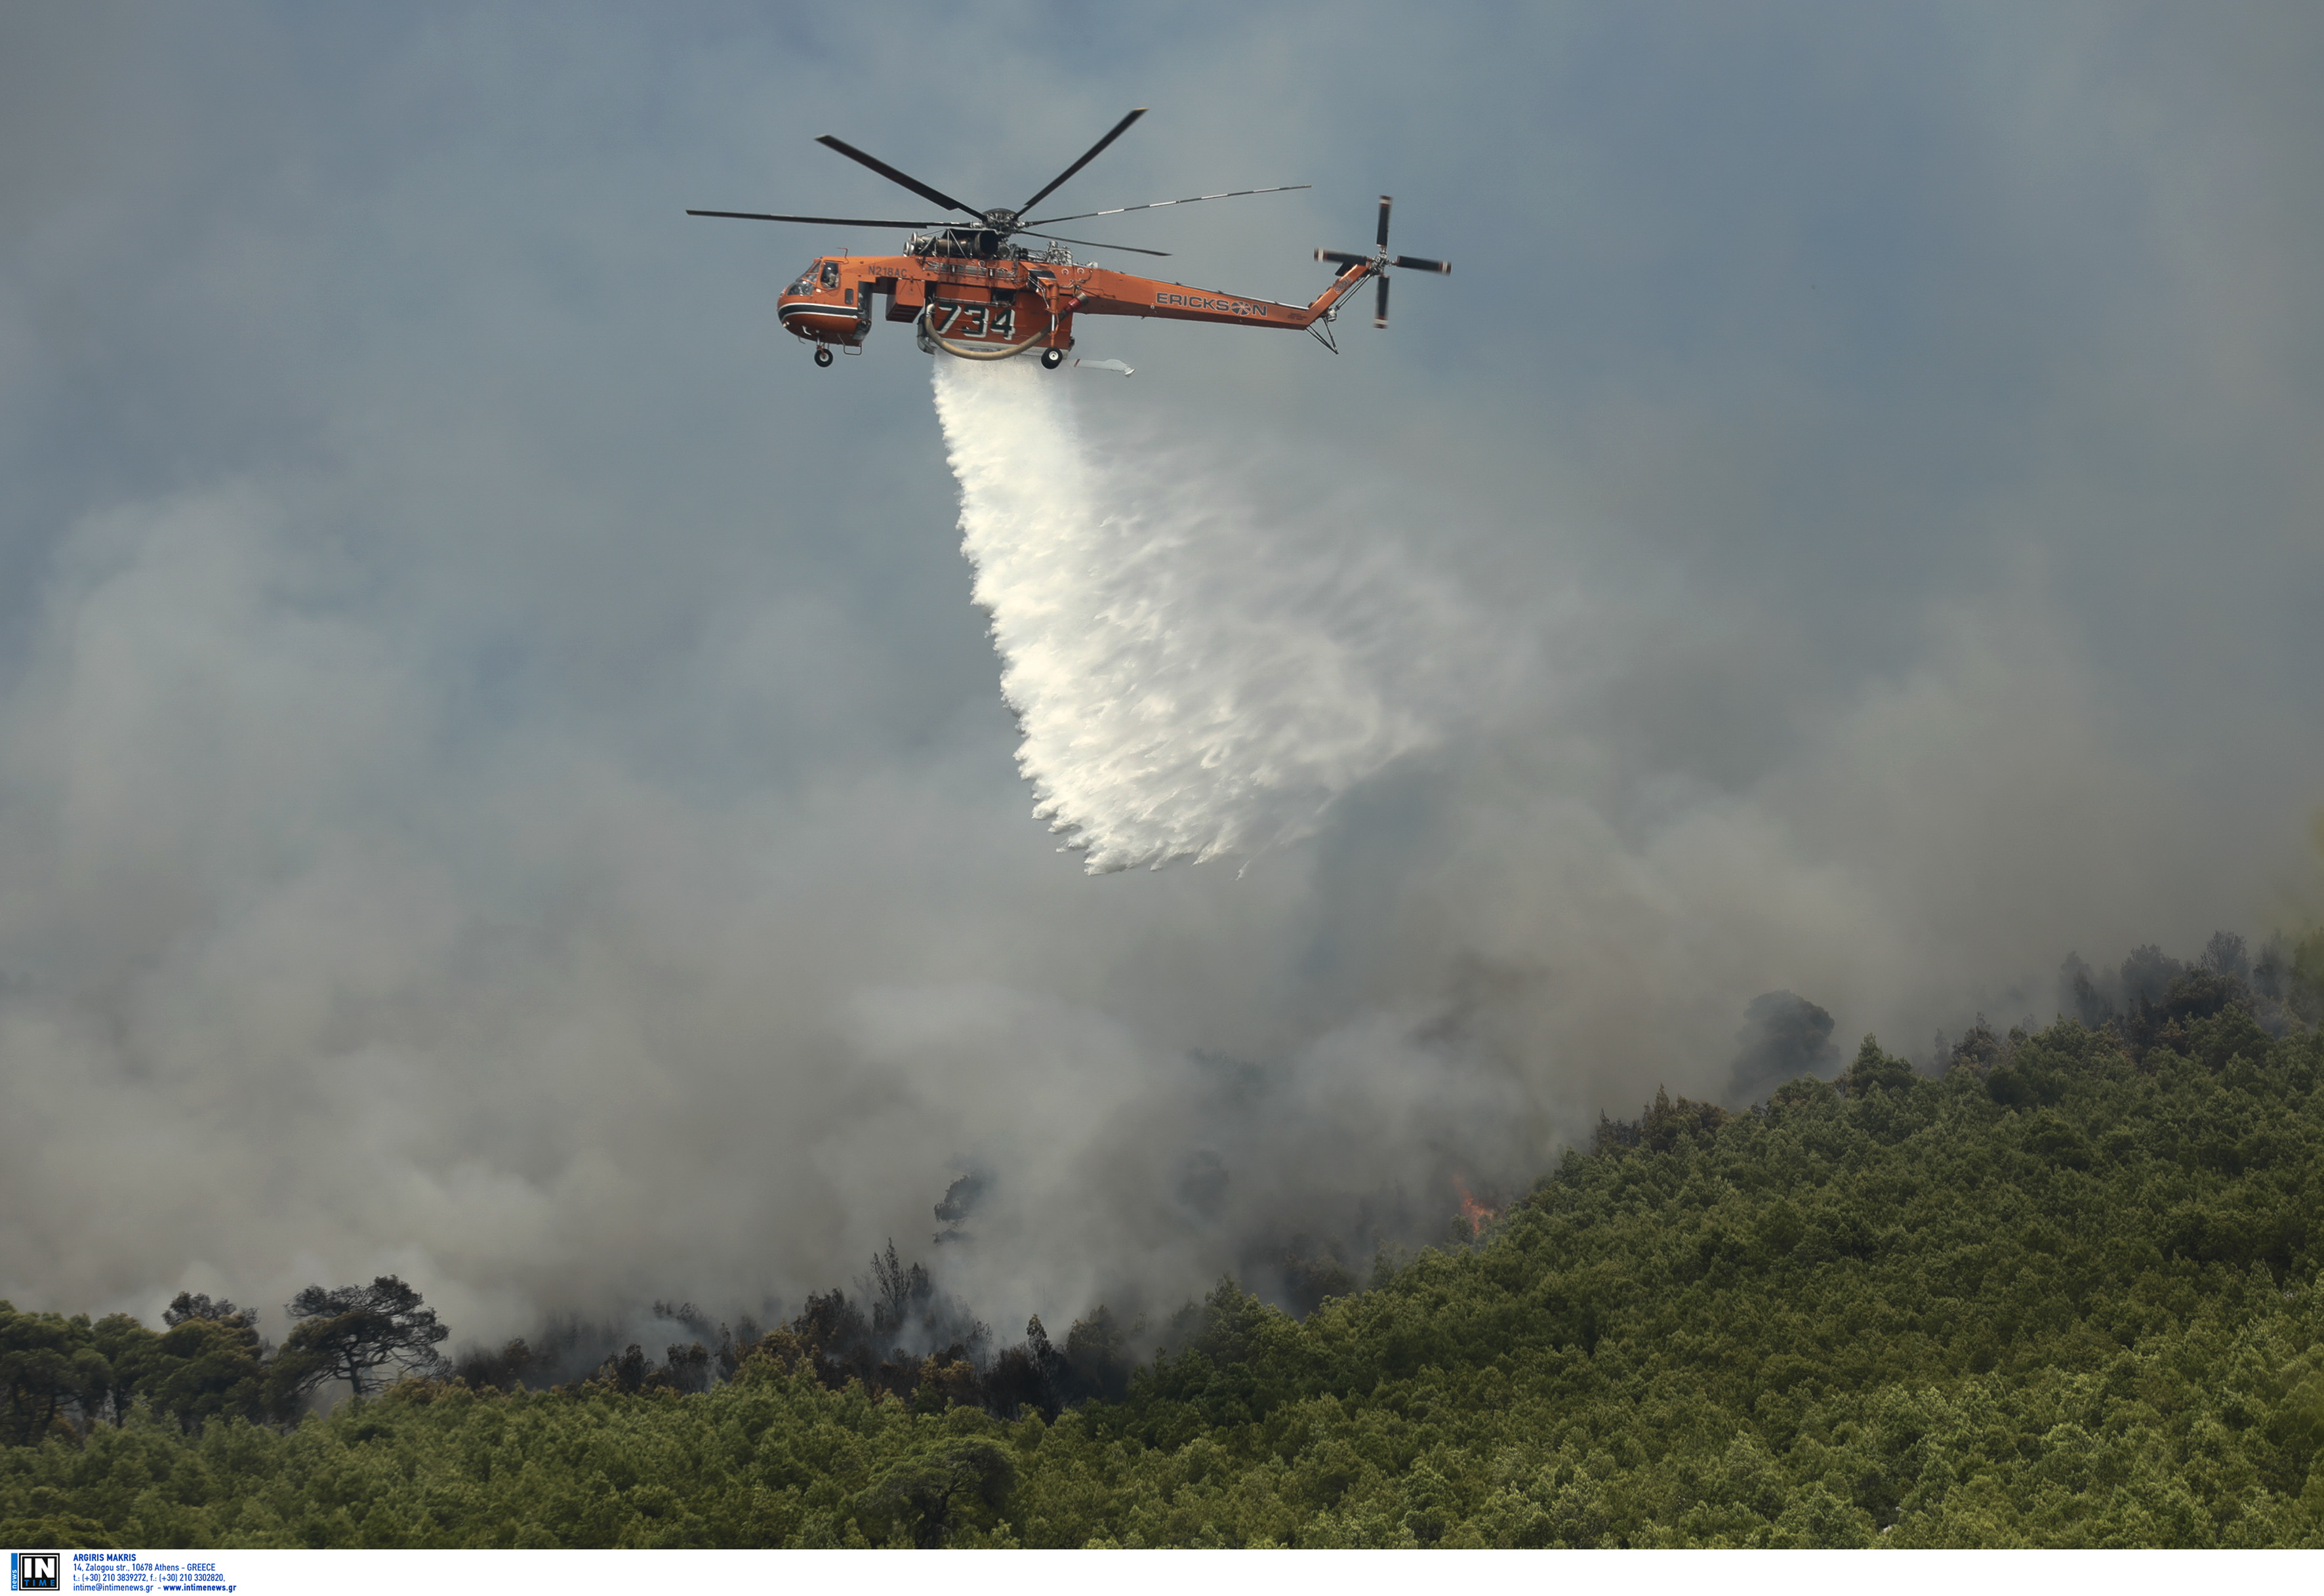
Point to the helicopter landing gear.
(822, 354)
(1053, 358)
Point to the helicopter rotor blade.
(752, 216)
(1383, 227)
(1092, 244)
(893, 176)
(1380, 305)
(1415, 263)
(1339, 257)
(1158, 204)
(1056, 182)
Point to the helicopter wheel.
(1053, 358)
(821, 356)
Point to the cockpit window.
(831, 274)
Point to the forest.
(2062, 1290)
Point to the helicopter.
(970, 289)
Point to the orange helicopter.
(970, 291)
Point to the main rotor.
(987, 236)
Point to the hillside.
(2068, 1295)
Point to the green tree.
(355, 1333)
(2073, 1299)
(50, 1372)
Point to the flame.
(1477, 1213)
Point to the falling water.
(1189, 686)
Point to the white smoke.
(1190, 685)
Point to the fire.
(1477, 1213)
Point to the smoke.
(1783, 1037)
(1189, 686)
(1116, 1169)
(500, 784)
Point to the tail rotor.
(1375, 264)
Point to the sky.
(504, 773)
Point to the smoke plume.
(499, 782)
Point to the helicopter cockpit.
(819, 275)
